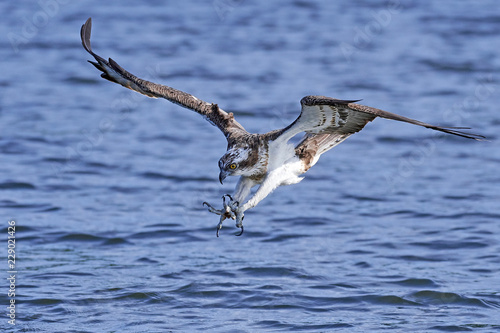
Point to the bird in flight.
(266, 160)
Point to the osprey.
(265, 160)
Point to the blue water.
(397, 229)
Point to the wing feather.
(393, 116)
(325, 115)
(328, 121)
(115, 73)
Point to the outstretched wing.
(115, 73)
(328, 121)
(326, 115)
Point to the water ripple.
(442, 244)
(17, 186)
(417, 283)
(174, 177)
(270, 272)
(450, 298)
(396, 229)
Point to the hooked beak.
(222, 176)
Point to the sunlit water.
(396, 229)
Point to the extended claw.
(230, 211)
(219, 226)
(227, 211)
(239, 222)
(241, 232)
(234, 205)
(212, 209)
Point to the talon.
(241, 232)
(219, 226)
(224, 198)
(239, 222)
(229, 211)
(234, 205)
(211, 209)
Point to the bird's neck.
(259, 155)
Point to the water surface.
(395, 229)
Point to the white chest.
(283, 165)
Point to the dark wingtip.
(85, 35)
(115, 66)
(453, 130)
(97, 65)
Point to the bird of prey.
(265, 160)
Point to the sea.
(101, 189)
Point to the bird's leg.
(235, 208)
(225, 213)
(239, 221)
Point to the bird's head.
(237, 162)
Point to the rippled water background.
(396, 229)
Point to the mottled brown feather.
(354, 117)
(115, 73)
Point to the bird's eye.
(232, 166)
